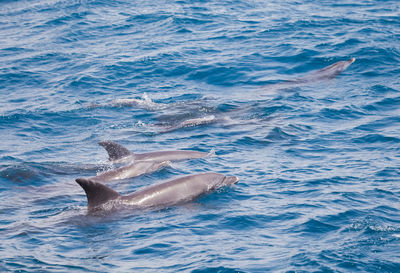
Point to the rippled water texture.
(318, 162)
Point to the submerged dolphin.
(117, 153)
(145, 103)
(191, 123)
(325, 73)
(328, 72)
(132, 170)
(100, 197)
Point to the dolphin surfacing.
(326, 73)
(134, 169)
(117, 154)
(102, 198)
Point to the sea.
(318, 163)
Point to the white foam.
(144, 102)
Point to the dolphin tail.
(96, 193)
(115, 151)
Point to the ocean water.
(318, 163)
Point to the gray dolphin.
(132, 170)
(117, 154)
(190, 123)
(145, 103)
(325, 73)
(102, 198)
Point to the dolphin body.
(180, 190)
(325, 73)
(145, 103)
(132, 170)
(191, 123)
(117, 154)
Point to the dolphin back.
(101, 197)
(132, 170)
(178, 190)
(326, 73)
(115, 151)
(97, 194)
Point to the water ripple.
(317, 163)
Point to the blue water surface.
(318, 163)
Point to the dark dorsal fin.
(96, 193)
(114, 150)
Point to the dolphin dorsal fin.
(96, 193)
(115, 151)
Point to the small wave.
(217, 75)
(347, 112)
(388, 172)
(277, 134)
(20, 174)
(372, 231)
(313, 227)
(251, 141)
(33, 173)
(248, 222)
(220, 269)
(385, 104)
(376, 138)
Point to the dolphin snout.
(231, 180)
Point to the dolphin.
(132, 170)
(117, 154)
(325, 73)
(180, 190)
(191, 123)
(145, 103)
